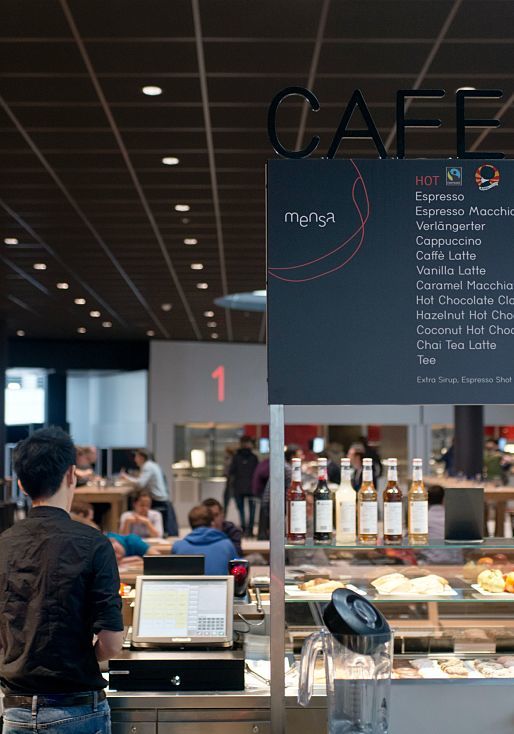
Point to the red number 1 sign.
(219, 374)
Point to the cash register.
(181, 638)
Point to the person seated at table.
(151, 478)
(208, 541)
(83, 512)
(86, 460)
(130, 549)
(142, 520)
(218, 521)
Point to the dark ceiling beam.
(428, 61)
(313, 69)
(19, 271)
(133, 175)
(212, 158)
(22, 304)
(26, 226)
(106, 249)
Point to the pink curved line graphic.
(349, 239)
(360, 229)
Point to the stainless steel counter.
(445, 707)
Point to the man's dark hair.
(41, 461)
(211, 502)
(200, 517)
(246, 440)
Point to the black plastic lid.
(349, 613)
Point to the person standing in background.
(59, 595)
(260, 477)
(151, 478)
(264, 530)
(356, 456)
(241, 472)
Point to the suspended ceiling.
(82, 185)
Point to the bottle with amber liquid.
(393, 506)
(418, 506)
(323, 506)
(296, 507)
(367, 506)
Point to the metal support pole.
(277, 568)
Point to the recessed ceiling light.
(10, 241)
(80, 301)
(166, 306)
(214, 335)
(202, 286)
(170, 160)
(208, 314)
(212, 324)
(39, 266)
(81, 330)
(107, 324)
(150, 332)
(465, 89)
(190, 241)
(95, 314)
(63, 286)
(182, 207)
(151, 91)
(196, 266)
(20, 332)
(13, 386)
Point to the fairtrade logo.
(487, 176)
(453, 176)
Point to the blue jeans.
(89, 719)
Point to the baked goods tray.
(493, 594)
(293, 592)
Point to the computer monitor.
(183, 611)
(174, 565)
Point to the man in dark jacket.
(218, 521)
(207, 541)
(241, 472)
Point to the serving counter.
(445, 707)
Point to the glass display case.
(453, 628)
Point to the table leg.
(500, 519)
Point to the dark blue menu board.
(390, 281)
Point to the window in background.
(25, 393)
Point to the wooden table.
(115, 497)
(493, 495)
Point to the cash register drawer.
(183, 671)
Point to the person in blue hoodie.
(206, 540)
